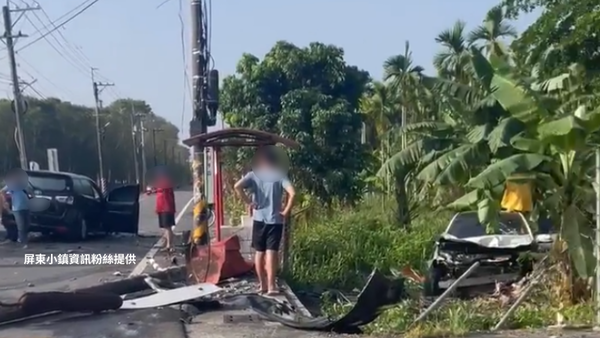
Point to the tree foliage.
(565, 34)
(71, 129)
(494, 114)
(312, 96)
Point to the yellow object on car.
(518, 196)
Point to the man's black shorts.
(166, 220)
(266, 236)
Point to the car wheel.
(431, 286)
(80, 230)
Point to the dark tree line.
(71, 129)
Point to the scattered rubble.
(169, 286)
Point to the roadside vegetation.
(385, 162)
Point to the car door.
(92, 200)
(122, 209)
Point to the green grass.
(338, 250)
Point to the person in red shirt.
(165, 206)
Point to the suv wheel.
(80, 230)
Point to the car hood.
(493, 241)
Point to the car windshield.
(48, 183)
(467, 225)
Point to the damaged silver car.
(465, 242)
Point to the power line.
(186, 84)
(57, 26)
(74, 56)
(76, 51)
(76, 66)
(68, 53)
(29, 85)
(57, 19)
(40, 74)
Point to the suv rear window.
(48, 183)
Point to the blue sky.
(138, 46)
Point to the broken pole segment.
(17, 312)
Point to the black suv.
(78, 207)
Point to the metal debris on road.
(170, 297)
(235, 290)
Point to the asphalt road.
(17, 278)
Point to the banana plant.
(554, 148)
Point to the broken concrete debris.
(219, 281)
(379, 293)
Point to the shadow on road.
(151, 323)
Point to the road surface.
(17, 278)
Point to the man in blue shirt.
(267, 184)
(17, 185)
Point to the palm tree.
(404, 77)
(453, 61)
(494, 28)
(379, 108)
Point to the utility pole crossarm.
(22, 11)
(97, 88)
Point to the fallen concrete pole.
(39, 302)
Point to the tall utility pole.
(143, 148)
(198, 125)
(97, 88)
(134, 144)
(166, 155)
(18, 105)
(154, 157)
(199, 122)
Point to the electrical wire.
(77, 66)
(205, 20)
(74, 56)
(76, 51)
(187, 88)
(162, 3)
(23, 60)
(209, 35)
(55, 26)
(73, 53)
(30, 87)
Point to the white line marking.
(141, 266)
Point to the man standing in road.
(267, 183)
(17, 186)
(165, 206)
